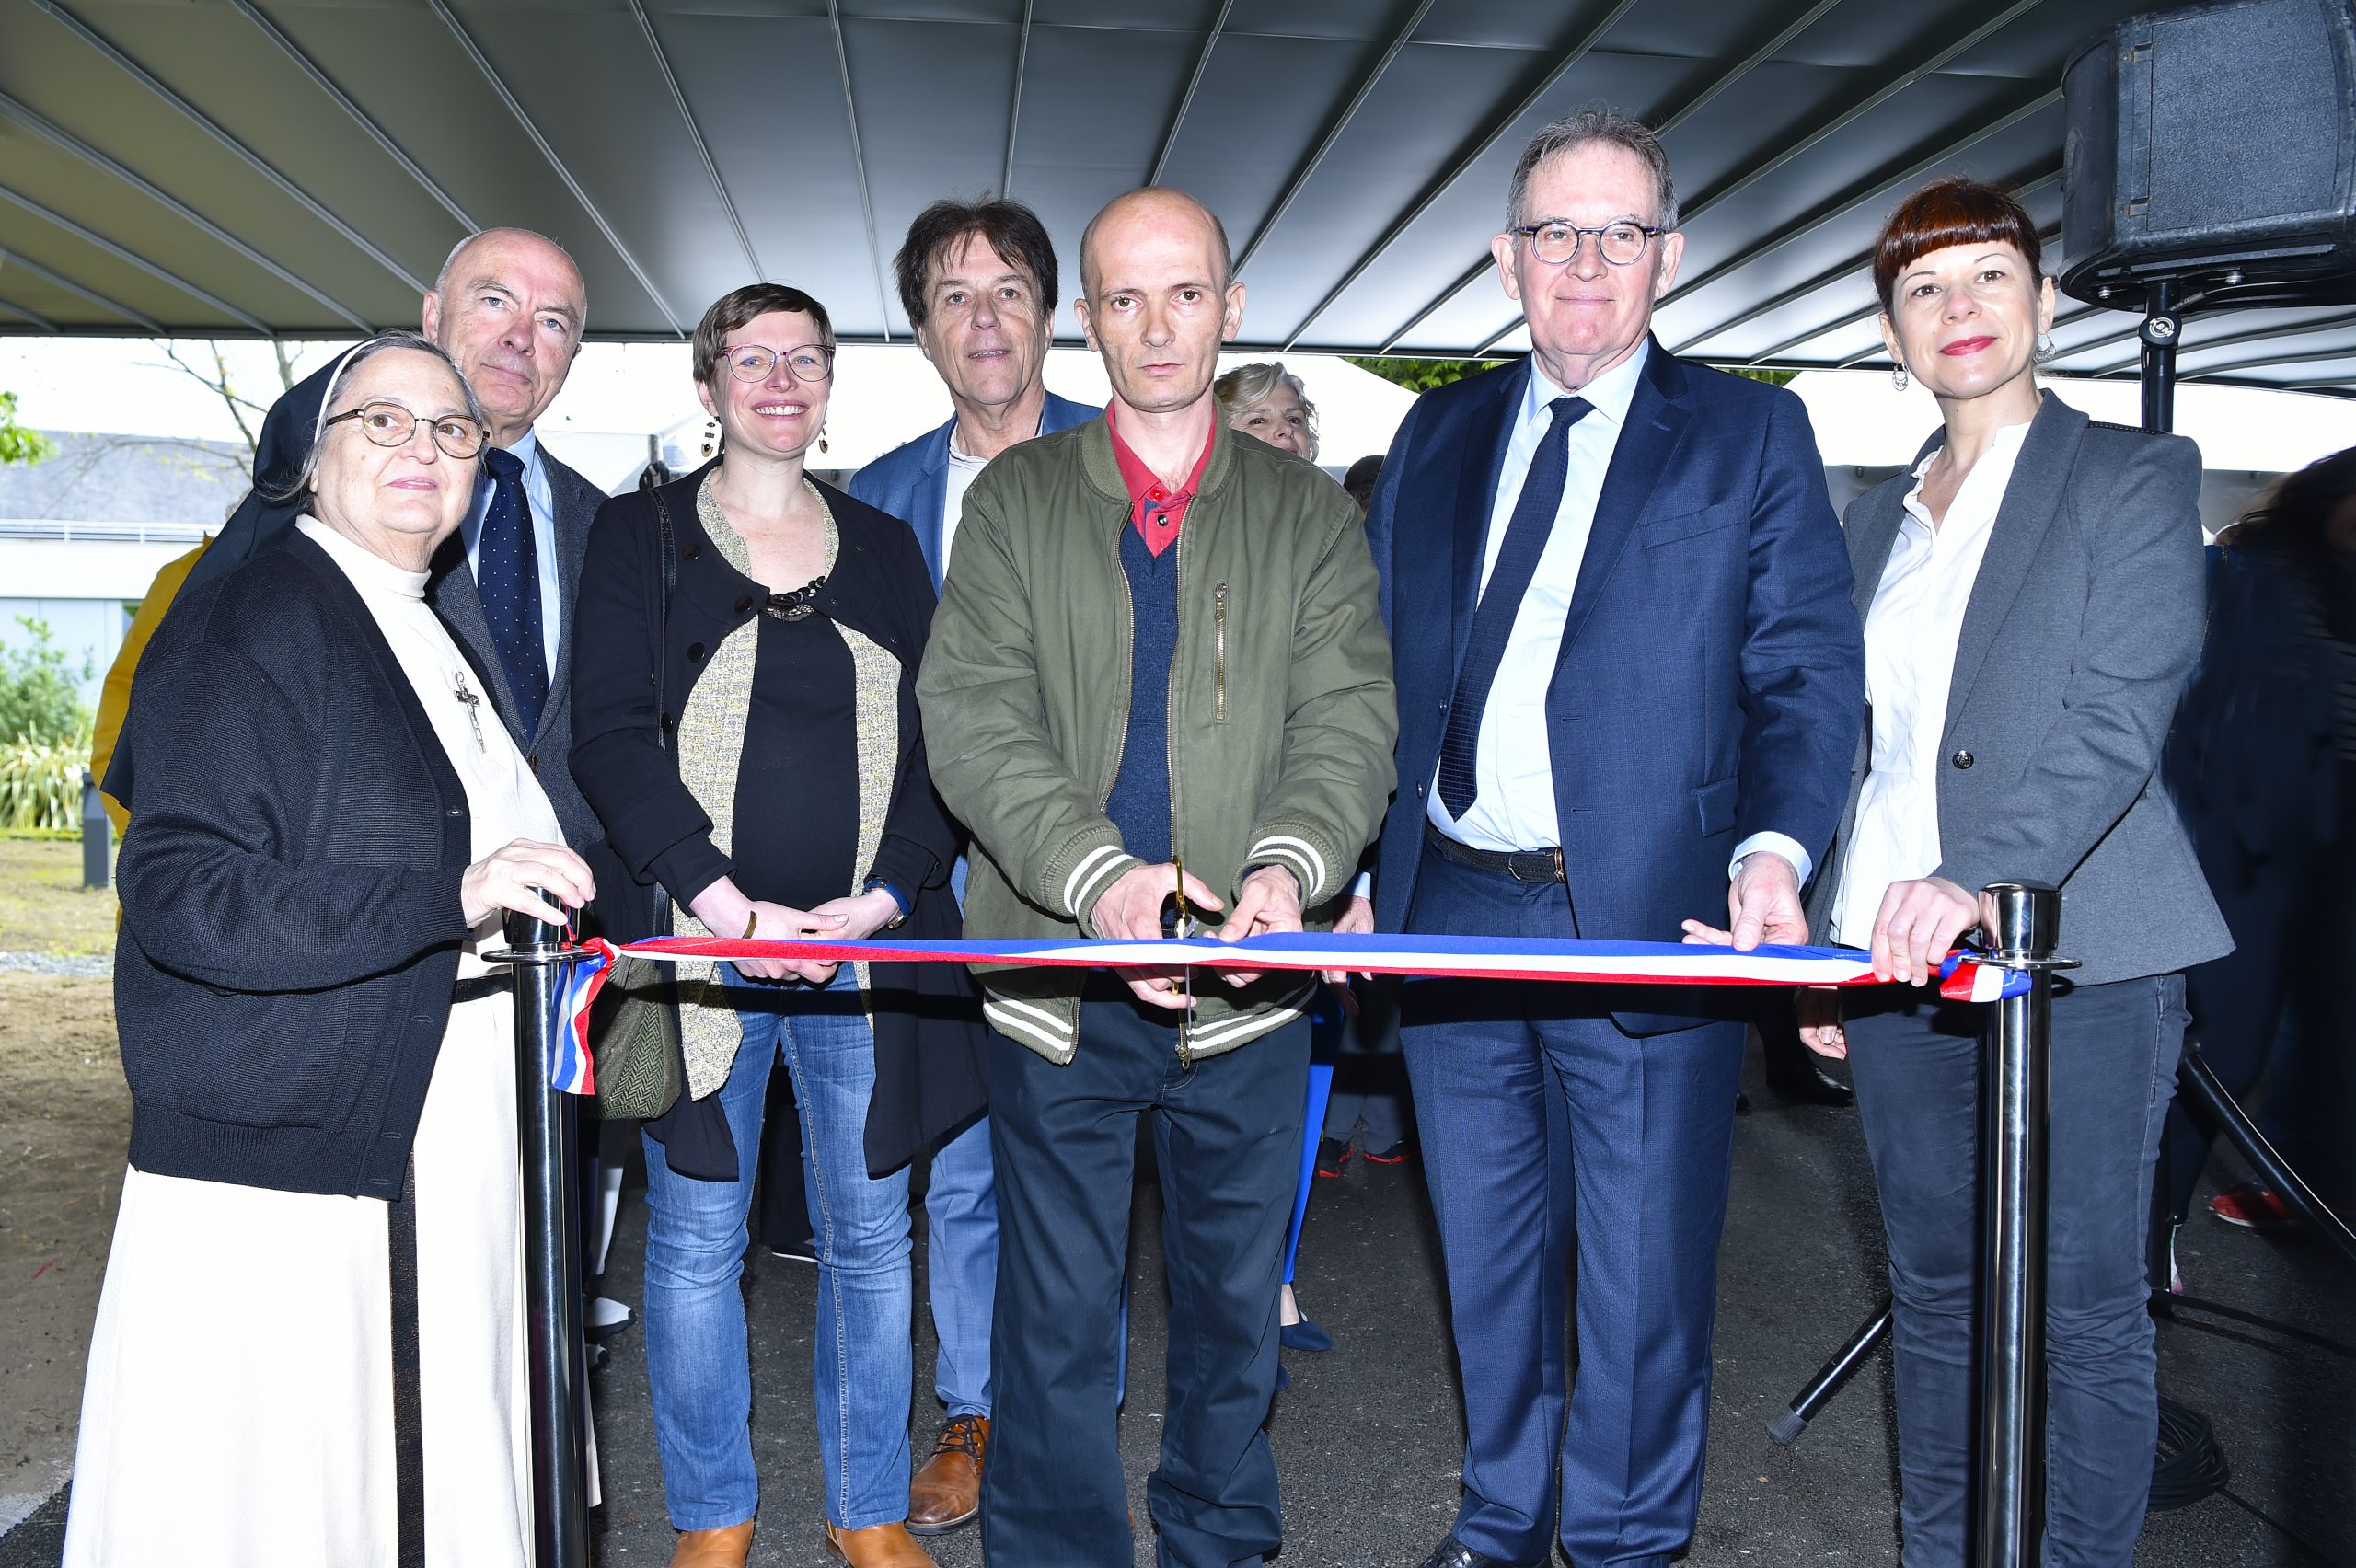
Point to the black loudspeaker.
(2214, 147)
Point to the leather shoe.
(1454, 1553)
(1807, 1084)
(947, 1491)
(713, 1549)
(877, 1546)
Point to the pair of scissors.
(1186, 926)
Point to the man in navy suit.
(978, 280)
(1630, 682)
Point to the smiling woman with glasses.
(746, 727)
(314, 1262)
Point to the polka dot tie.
(507, 574)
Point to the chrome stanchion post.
(2022, 920)
(548, 1125)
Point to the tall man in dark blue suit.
(1630, 682)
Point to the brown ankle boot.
(947, 1491)
(713, 1549)
(878, 1545)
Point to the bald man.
(1157, 647)
(508, 306)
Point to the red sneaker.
(1398, 1153)
(1331, 1154)
(2253, 1205)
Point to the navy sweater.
(1140, 803)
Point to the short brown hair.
(1954, 211)
(737, 306)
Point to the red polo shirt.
(1153, 507)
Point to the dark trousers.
(1227, 1139)
(1540, 1119)
(1916, 1064)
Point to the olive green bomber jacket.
(1281, 711)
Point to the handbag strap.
(669, 549)
(670, 559)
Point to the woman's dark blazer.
(290, 882)
(928, 1040)
(2083, 621)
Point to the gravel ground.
(96, 967)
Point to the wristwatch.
(896, 921)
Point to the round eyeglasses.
(1555, 242)
(750, 362)
(389, 424)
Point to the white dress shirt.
(1910, 632)
(541, 503)
(1513, 762)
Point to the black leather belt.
(1521, 865)
(475, 987)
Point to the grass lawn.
(43, 906)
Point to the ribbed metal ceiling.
(299, 167)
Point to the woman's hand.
(1820, 1012)
(727, 912)
(1918, 926)
(515, 875)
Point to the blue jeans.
(695, 1235)
(1916, 1063)
(961, 1267)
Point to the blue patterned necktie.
(1484, 649)
(507, 576)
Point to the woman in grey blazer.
(2033, 600)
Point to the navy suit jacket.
(1711, 678)
(911, 481)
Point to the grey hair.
(301, 491)
(442, 277)
(1248, 384)
(1576, 130)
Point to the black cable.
(2169, 1302)
(2299, 1543)
(2190, 1464)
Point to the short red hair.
(1951, 211)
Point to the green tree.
(40, 697)
(19, 444)
(1423, 375)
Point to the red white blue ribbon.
(1962, 978)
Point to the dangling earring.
(822, 443)
(2045, 348)
(1897, 377)
(710, 435)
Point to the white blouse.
(1910, 632)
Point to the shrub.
(41, 782)
(40, 697)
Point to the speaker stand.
(2162, 328)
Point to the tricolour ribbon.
(1962, 977)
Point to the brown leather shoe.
(948, 1490)
(713, 1549)
(877, 1546)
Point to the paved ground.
(1367, 1436)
